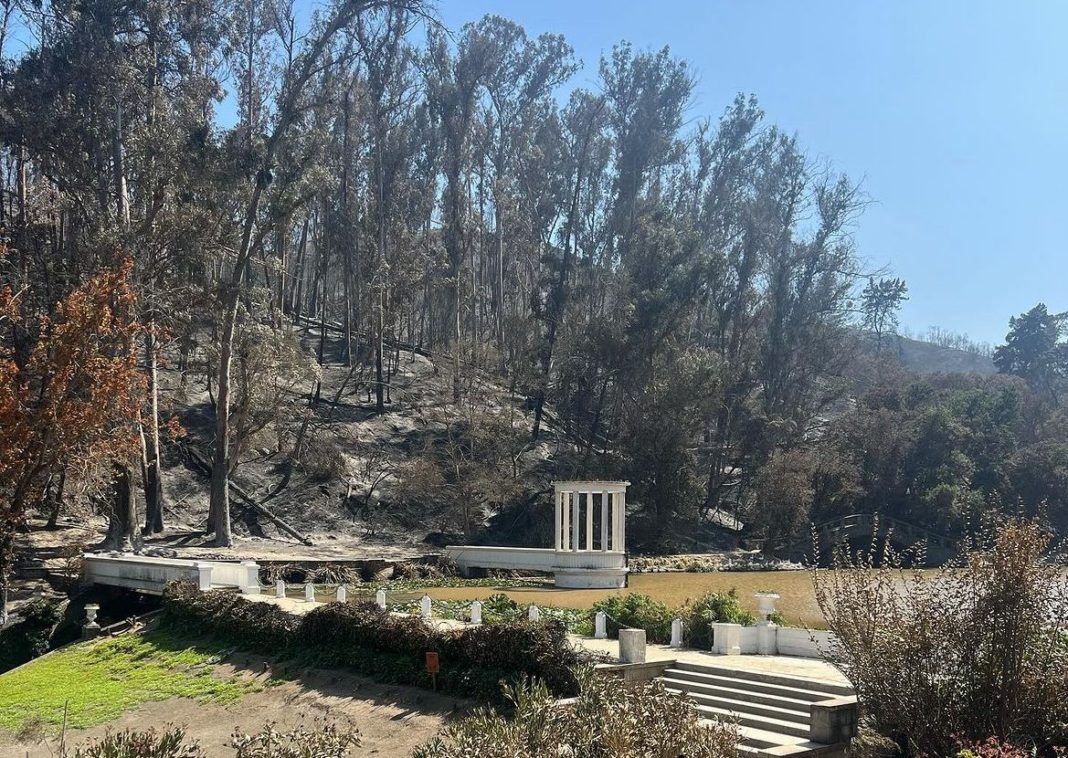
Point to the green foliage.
(384, 645)
(636, 611)
(145, 744)
(94, 682)
(606, 718)
(713, 607)
(31, 636)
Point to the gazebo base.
(591, 579)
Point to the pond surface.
(798, 601)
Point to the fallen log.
(247, 500)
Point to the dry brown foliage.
(977, 649)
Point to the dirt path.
(392, 720)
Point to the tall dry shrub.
(974, 650)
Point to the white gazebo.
(589, 540)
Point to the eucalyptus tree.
(291, 103)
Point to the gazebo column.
(605, 497)
(565, 521)
(589, 520)
(617, 522)
(558, 498)
(575, 522)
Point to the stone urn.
(766, 605)
(90, 628)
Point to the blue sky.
(954, 115)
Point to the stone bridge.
(859, 529)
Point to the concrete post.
(380, 599)
(203, 575)
(251, 583)
(833, 720)
(727, 639)
(533, 614)
(279, 588)
(632, 646)
(767, 639)
(599, 626)
(476, 613)
(309, 592)
(342, 594)
(425, 607)
(676, 633)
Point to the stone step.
(765, 723)
(781, 680)
(799, 690)
(739, 707)
(735, 690)
(759, 742)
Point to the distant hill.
(927, 358)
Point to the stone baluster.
(425, 607)
(476, 613)
(380, 599)
(676, 633)
(600, 625)
(309, 592)
(280, 588)
(342, 594)
(533, 613)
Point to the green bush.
(387, 647)
(636, 611)
(30, 637)
(713, 607)
(606, 718)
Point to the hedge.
(367, 639)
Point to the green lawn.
(97, 681)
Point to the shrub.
(144, 744)
(636, 611)
(713, 607)
(323, 740)
(387, 647)
(606, 718)
(976, 651)
(262, 627)
(32, 636)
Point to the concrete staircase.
(774, 713)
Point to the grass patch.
(100, 680)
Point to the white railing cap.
(591, 486)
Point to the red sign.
(433, 666)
